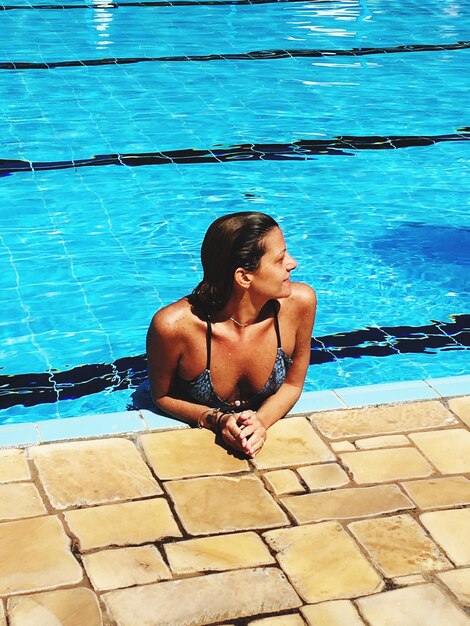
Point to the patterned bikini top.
(201, 388)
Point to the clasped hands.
(243, 431)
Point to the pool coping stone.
(142, 420)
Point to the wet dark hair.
(232, 241)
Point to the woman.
(211, 354)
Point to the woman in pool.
(233, 356)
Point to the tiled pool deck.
(351, 515)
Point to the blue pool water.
(128, 128)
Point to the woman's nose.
(291, 263)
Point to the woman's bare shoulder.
(176, 318)
(302, 297)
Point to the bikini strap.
(208, 343)
(276, 326)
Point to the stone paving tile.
(20, 500)
(398, 546)
(93, 472)
(386, 441)
(458, 581)
(451, 530)
(347, 503)
(448, 450)
(292, 441)
(333, 613)
(325, 476)
(204, 599)
(461, 407)
(323, 562)
(203, 507)
(376, 466)
(64, 607)
(421, 605)
(42, 562)
(122, 524)
(125, 567)
(383, 420)
(186, 453)
(342, 446)
(439, 492)
(405, 581)
(13, 466)
(219, 553)
(284, 481)
(281, 620)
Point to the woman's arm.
(165, 345)
(166, 341)
(303, 308)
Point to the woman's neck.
(243, 312)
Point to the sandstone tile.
(64, 607)
(325, 476)
(333, 613)
(437, 493)
(347, 503)
(461, 407)
(405, 581)
(292, 441)
(20, 500)
(323, 562)
(125, 567)
(386, 441)
(283, 481)
(35, 555)
(375, 466)
(343, 446)
(398, 546)
(220, 504)
(122, 524)
(220, 553)
(13, 466)
(451, 530)
(186, 453)
(93, 472)
(421, 605)
(203, 599)
(280, 620)
(458, 581)
(383, 420)
(448, 450)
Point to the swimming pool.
(128, 127)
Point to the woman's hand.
(243, 431)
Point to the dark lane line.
(128, 372)
(256, 55)
(159, 3)
(302, 150)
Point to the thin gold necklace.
(239, 323)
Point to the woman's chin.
(286, 289)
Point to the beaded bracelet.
(219, 419)
(210, 415)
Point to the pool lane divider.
(49, 387)
(103, 4)
(302, 150)
(255, 55)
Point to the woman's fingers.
(257, 447)
(244, 432)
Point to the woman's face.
(272, 278)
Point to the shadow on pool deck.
(347, 517)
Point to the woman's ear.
(242, 277)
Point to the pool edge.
(140, 421)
